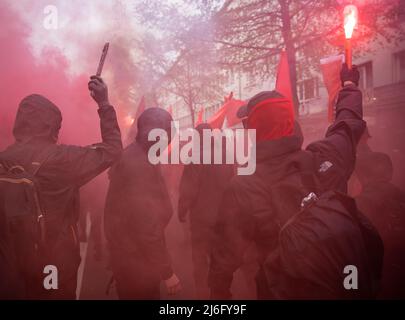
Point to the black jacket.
(66, 169)
(201, 190)
(137, 211)
(249, 211)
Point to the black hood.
(37, 117)
(152, 118)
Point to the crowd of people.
(307, 212)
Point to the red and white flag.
(232, 107)
(228, 111)
(217, 120)
(331, 67)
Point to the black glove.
(98, 90)
(347, 74)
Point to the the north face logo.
(325, 166)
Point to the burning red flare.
(129, 120)
(350, 14)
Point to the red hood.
(272, 118)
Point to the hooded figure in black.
(384, 204)
(250, 212)
(64, 170)
(138, 209)
(201, 190)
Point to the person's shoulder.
(242, 186)
(240, 181)
(133, 161)
(134, 154)
(59, 154)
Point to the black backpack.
(318, 242)
(22, 229)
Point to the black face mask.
(142, 138)
(152, 118)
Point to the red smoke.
(21, 74)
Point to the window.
(399, 66)
(308, 89)
(366, 75)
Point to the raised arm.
(336, 153)
(78, 165)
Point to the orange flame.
(350, 20)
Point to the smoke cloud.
(57, 63)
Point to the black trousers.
(28, 266)
(135, 280)
(202, 238)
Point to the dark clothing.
(138, 209)
(92, 202)
(66, 169)
(201, 190)
(37, 117)
(133, 281)
(249, 211)
(363, 152)
(202, 241)
(384, 204)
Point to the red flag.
(232, 107)
(217, 120)
(331, 76)
(229, 111)
(200, 117)
(283, 81)
(228, 98)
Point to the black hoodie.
(66, 169)
(248, 212)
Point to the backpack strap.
(42, 158)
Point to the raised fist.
(351, 75)
(98, 90)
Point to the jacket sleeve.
(336, 153)
(76, 165)
(189, 188)
(233, 235)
